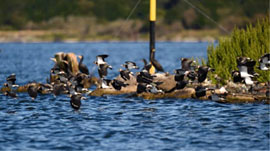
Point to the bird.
(118, 84)
(130, 65)
(82, 67)
(200, 91)
(11, 94)
(100, 59)
(236, 77)
(75, 101)
(102, 70)
(157, 65)
(146, 66)
(186, 64)
(264, 62)
(144, 77)
(32, 91)
(59, 89)
(180, 74)
(152, 88)
(202, 73)
(125, 74)
(11, 81)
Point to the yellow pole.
(152, 19)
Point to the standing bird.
(246, 69)
(125, 74)
(202, 73)
(236, 77)
(156, 64)
(117, 85)
(146, 66)
(75, 101)
(187, 64)
(82, 67)
(32, 91)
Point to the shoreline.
(41, 36)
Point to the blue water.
(120, 122)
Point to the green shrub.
(251, 42)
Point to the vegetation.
(251, 42)
(18, 14)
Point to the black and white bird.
(186, 64)
(264, 62)
(102, 65)
(102, 70)
(125, 74)
(144, 77)
(236, 77)
(246, 69)
(82, 67)
(130, 65)
(100, 59)
(11, 79)
(117, 85)
(32, 91)
(202, 73)
(75, 101)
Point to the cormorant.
(82, 67)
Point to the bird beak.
(53, 59)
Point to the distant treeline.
(16, 14)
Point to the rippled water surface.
(120, 122)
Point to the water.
(120, 122)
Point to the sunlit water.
(120, 122)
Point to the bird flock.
(63, 81)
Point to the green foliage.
(17, 13)
(252, 42)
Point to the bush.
(252, 42)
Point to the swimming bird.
(11, 81)
(130, 65)
(75, 101)
(32, 91)
(187, 64)
(11, 94)
(82, 67)
(202, 73)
